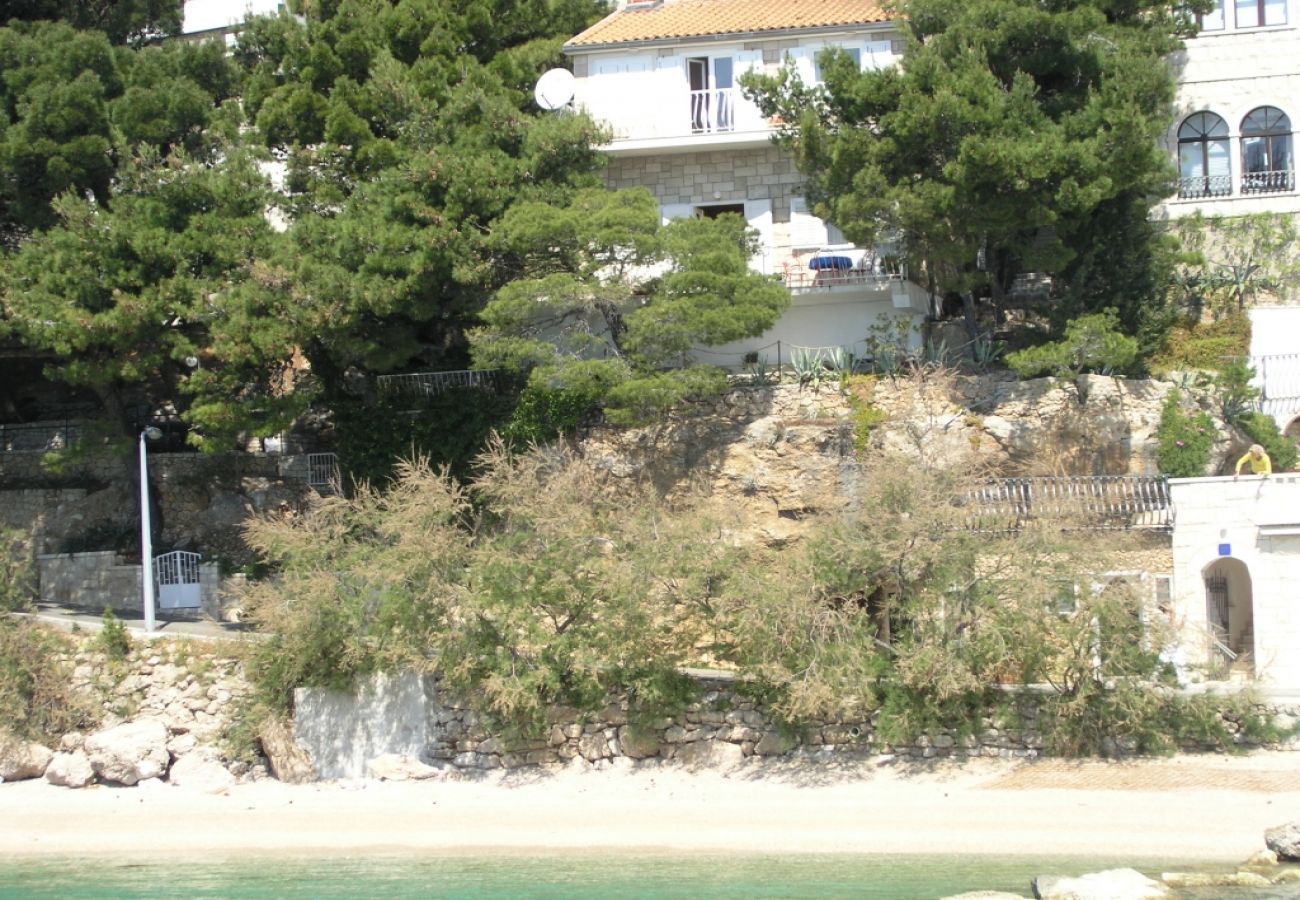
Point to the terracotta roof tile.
(694, 18)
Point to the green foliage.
(17, 577)
(1262, 430)
(1091, 343)
(114, 641)
(449, 429)
(557, 399)
(1020, 133)
(1235, 259)
(549, 591)
(1184, 440)
(1205, 346)
(36, 697)
(604, 287)
(123, 21)
(860, 390)
(1233, 391)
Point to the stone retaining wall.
(408, 716)
(100, 580)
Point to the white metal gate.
(177, 576)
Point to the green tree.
(1012, 137)
(608, 293)
(122, 296)
(122, 21)
(1091, 344)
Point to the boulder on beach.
(20, 759)
(201, 772)
(70, 770)
(1284, 840)
(131, 752)
(1113, 884)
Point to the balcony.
(802, 269)
(1267, 182)
(1199, 186)
(713, 110)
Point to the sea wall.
(410, 717)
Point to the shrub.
(1091, 344)
(866, 415)
(1264, 431)
(17, 580)
(557, 399)
(1184, 441)
(36, 699)
(1209, 345)
(113, 640)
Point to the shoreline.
(1210, 809)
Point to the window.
(713, 210)
(712, 81)
(1203, 165)
(1266, 164)
(1253, 13)
(1212, 20)
(854, 52)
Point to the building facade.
(663, 76)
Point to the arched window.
(1203, 164)
(1266, 163)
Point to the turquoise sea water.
(576, 875)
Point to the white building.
(1236, 110)
(663, 76)
(1236, 579)
(222, 18)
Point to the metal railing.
(1278, 375)
(1267, 182)
(803, 269)
(1080, 501)
(713, 110)
(323, 472)
(1205, 186)
(38, 437)
(429, 384)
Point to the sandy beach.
(1212, 808)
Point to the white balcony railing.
(1278, 376)
(713, 110)
(804, 269)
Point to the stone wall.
(100, 580)
(408, 716)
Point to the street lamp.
(146, 538)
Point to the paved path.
(70, 619)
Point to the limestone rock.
(70, 770)
(1113, 884)
(201, 772)
(593, 746)
(288, 760)
(131, 752)
(20, 760)
(638, 743)
(709, 755)
(1284, 840)
(401, 767)
(774, 743)
(1262, 858)
(1214, 879)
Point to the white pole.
(146, 540)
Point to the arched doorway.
(1230, 617)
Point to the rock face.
(131, 752)
(1284, 840)
(20, 760)
(288, 760)
(1113, 884)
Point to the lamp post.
(146, 536)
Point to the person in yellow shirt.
(1260, 464)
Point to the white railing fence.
(429, 384)
(1083, 501)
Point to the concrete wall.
(1248, 530)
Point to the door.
(177, 577)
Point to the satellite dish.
(554, 89)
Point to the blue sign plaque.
(1225, 549)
